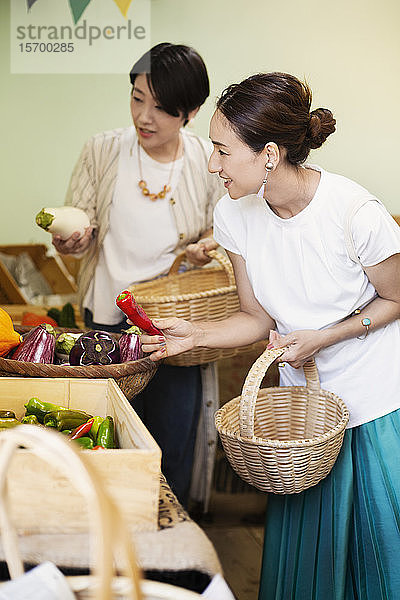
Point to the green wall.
(348, 50)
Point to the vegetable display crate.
(45, 501)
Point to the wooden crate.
(52, 268)
(72, 264)
(42, 500)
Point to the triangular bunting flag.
(30, 3)
(77, 8)
(123, 6)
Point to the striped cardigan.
(92, 186)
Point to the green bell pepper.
(106, 435)
(97, 421)
(66, 419)
(41, 409)
(7, 414)
(30, 420)
(85, 442)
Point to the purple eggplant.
(37, 345)
(129, 344)
(95, 348)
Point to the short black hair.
(177, 77)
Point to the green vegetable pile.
(90, 432)
(64, 317)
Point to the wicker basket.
(132, 376)
(196, 295)
(111, 544)
(282, 439)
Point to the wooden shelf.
(53, 269)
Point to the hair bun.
(321, 125)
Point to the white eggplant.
(63, 221)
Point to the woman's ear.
(272, 153)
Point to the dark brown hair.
(177, 77)
(275, 107)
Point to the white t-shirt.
(139, 244)
(303, 277)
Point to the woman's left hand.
(197, 253)
(303, 345)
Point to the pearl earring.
(268, 167)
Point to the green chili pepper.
(7, 423)
(7, 414)
(97, 421)
(40, 409)
(85, 442)
(66, 419)
(105, 435)
(30, 420)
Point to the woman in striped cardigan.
(149, 182)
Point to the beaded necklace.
(143, 184)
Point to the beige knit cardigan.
(91, 188)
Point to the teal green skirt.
(340, 540)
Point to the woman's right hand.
(197, 253)
(178, 336)
(74, 244)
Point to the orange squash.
(9, 338)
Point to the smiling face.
(241, 169)
(155, 128)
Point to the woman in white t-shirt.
(149, 197)
(317, 265)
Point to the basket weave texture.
(132, 376)
(282, 439)
(196, 295)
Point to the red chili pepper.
(82, 430)
(127, 303)
(98, 448)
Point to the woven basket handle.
(253, 381)
(221, 258)
(311, 375)
(109, 535)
